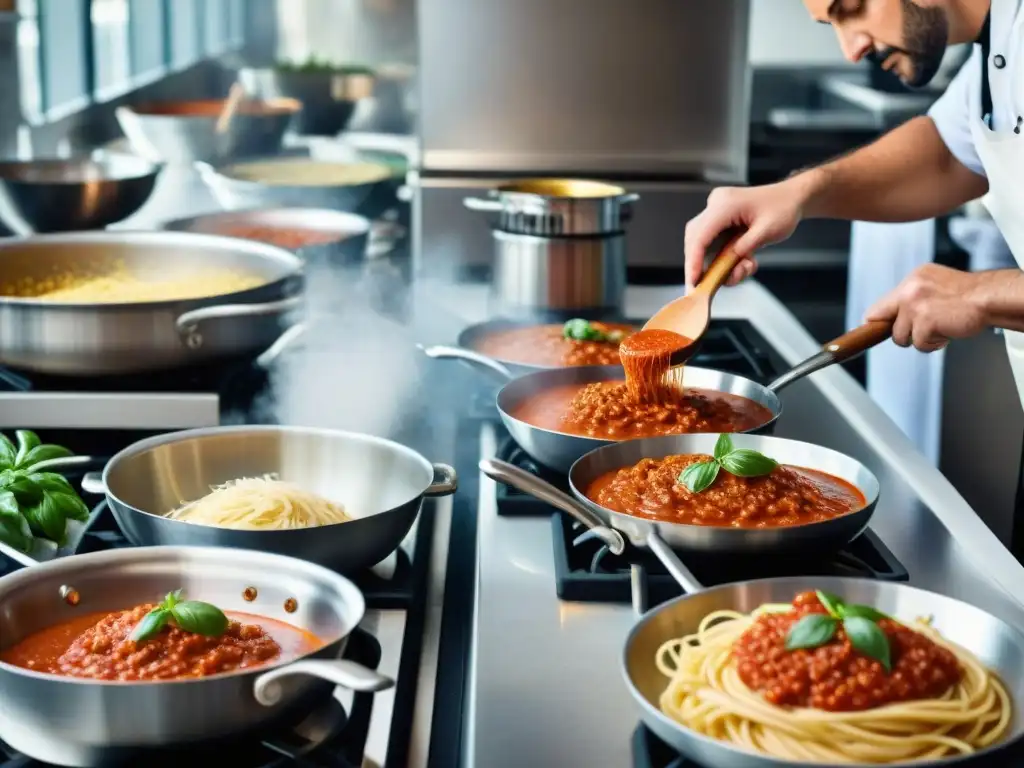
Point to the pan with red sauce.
(284, 237)
(97, 646)
(787, 496)
(546, 346)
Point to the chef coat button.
(999, 61)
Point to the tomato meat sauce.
(835, 677)
(647, 360)
(97, 646)
(785, 497)
(283, 237)
(546, 345)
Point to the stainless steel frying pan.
(665, 539)
(558, 450)
(995, 642)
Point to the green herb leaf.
(172, 599)
(25, 491)
(863, 612)
(698, 477)
(812, 631)
(150, 625)
(43, 453)
(14, 529)
(27, 440)
(577, 329)
(200, 618)
(723, 446)
(46, 519)
(744, 462)
(833, 604)
(868, 638)
(72, 507)
(51, 482)
(8, 453)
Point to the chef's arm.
(1000, 293)
(908, 174)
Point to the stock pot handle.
(458, 353)
(268, 690)
(445, 482)
(188, 324)
(480, 204)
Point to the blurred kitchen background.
(668, 98)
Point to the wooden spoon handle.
(860, 339)
(235, 96)
(720, 268)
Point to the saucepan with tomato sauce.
(108, 654)
(740, 494)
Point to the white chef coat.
(993, 145)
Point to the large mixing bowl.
(186, 131)
(328, 99)
(64, 195)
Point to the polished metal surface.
(353, 231)
(92, 339)
(557, 207)
(997, 644)
(64, 195)
(674, 99)
(529, 646)
(186, 131)
(107, 410)
(105, 720)
(378, 482)
(533, 273)
(329, 99)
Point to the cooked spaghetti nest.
(706, 695)
(261, 504)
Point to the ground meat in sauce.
(104, 652)
(283, 237)
(835, 677)
(606, 410)
(788, 496)
(544, 345)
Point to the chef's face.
(907, 37)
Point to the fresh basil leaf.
(868, 638)
(723, 446)
(200, 618)
(8, 453)
(812, 631)
(25, 491)
(47, 520)
(150, 625)
(697, 477)
(26, 442)
(14, 532)
(9, 504)
(51, 481)
(172, 599)
(72, 507)
(42, 453)
(864, 612)
(746, 463)
(833, 604)
(577, 329)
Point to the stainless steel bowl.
(186, 131)
(379, 482)
(64, 195)
(329, 99)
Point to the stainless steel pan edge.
(994, 641)
(86, 723)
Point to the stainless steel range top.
(544, 686)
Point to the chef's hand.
(932, 305)
(769, 214)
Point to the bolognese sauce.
(283, 237)
(835, 677)
(785, 497)
(646, 358)
(98, 646)
(547, 346)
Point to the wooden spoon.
(689, 315)
(235, 96)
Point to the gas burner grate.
(328, 737)
(588, 572)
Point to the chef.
(971, 144)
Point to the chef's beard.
(925, 35)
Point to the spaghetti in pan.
(821, 681)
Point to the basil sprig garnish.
(579, 329)
(34, 503)
(742, 462)
(859, 622)
(189, 615)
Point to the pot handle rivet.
(70, 595)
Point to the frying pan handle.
(673, 564)
(509, 474)
(188, 324)
(445, 482)
(843, 348)
(268, 690)
(457, 353)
